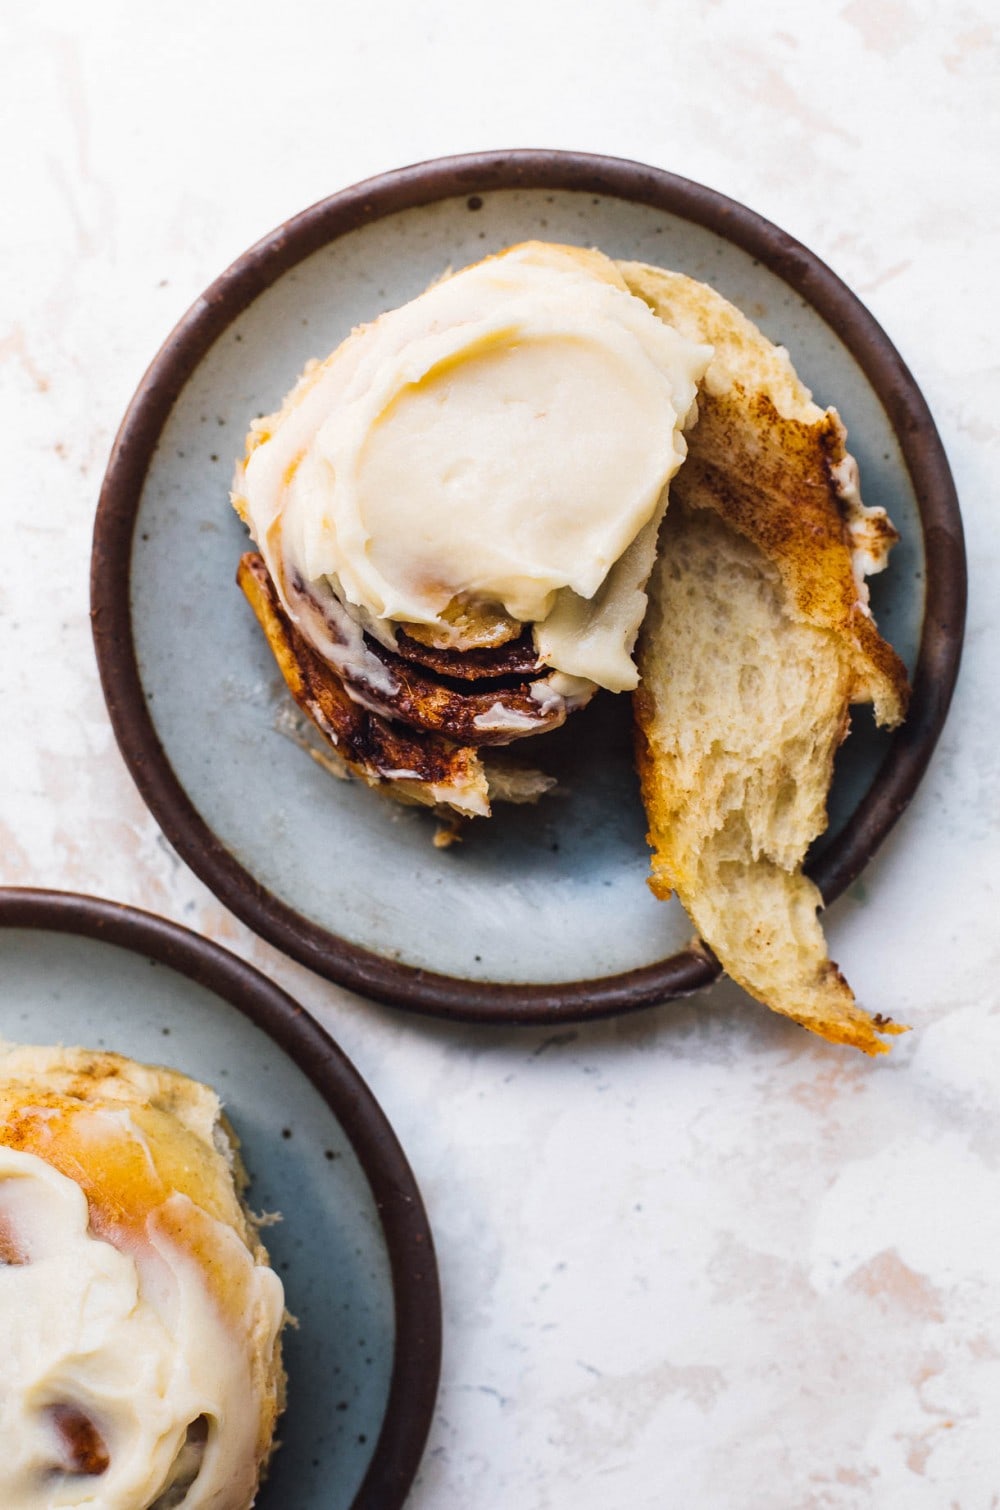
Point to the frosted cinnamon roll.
(456, 514)
(141, 1366)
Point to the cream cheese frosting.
(505, 442)
(131, 1340)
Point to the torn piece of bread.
(757, 640)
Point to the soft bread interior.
(740, 711)
(757, 640)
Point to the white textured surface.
(693, 1258)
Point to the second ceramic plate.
(353, 1247)
(542, 913)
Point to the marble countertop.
(692, 1257)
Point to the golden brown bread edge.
(735, 763)
(775, 467)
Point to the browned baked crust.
(370, 745)
(774, 466)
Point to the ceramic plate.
(542, 913)
(353, 1247)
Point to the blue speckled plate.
(543, 913)
(353, 1247)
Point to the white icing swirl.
(503, 440)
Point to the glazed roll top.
(141, 1365)
(493, 455)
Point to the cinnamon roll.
(141, 1367)
(456, 513)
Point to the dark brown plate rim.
(416, 1362)
(473, 175)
